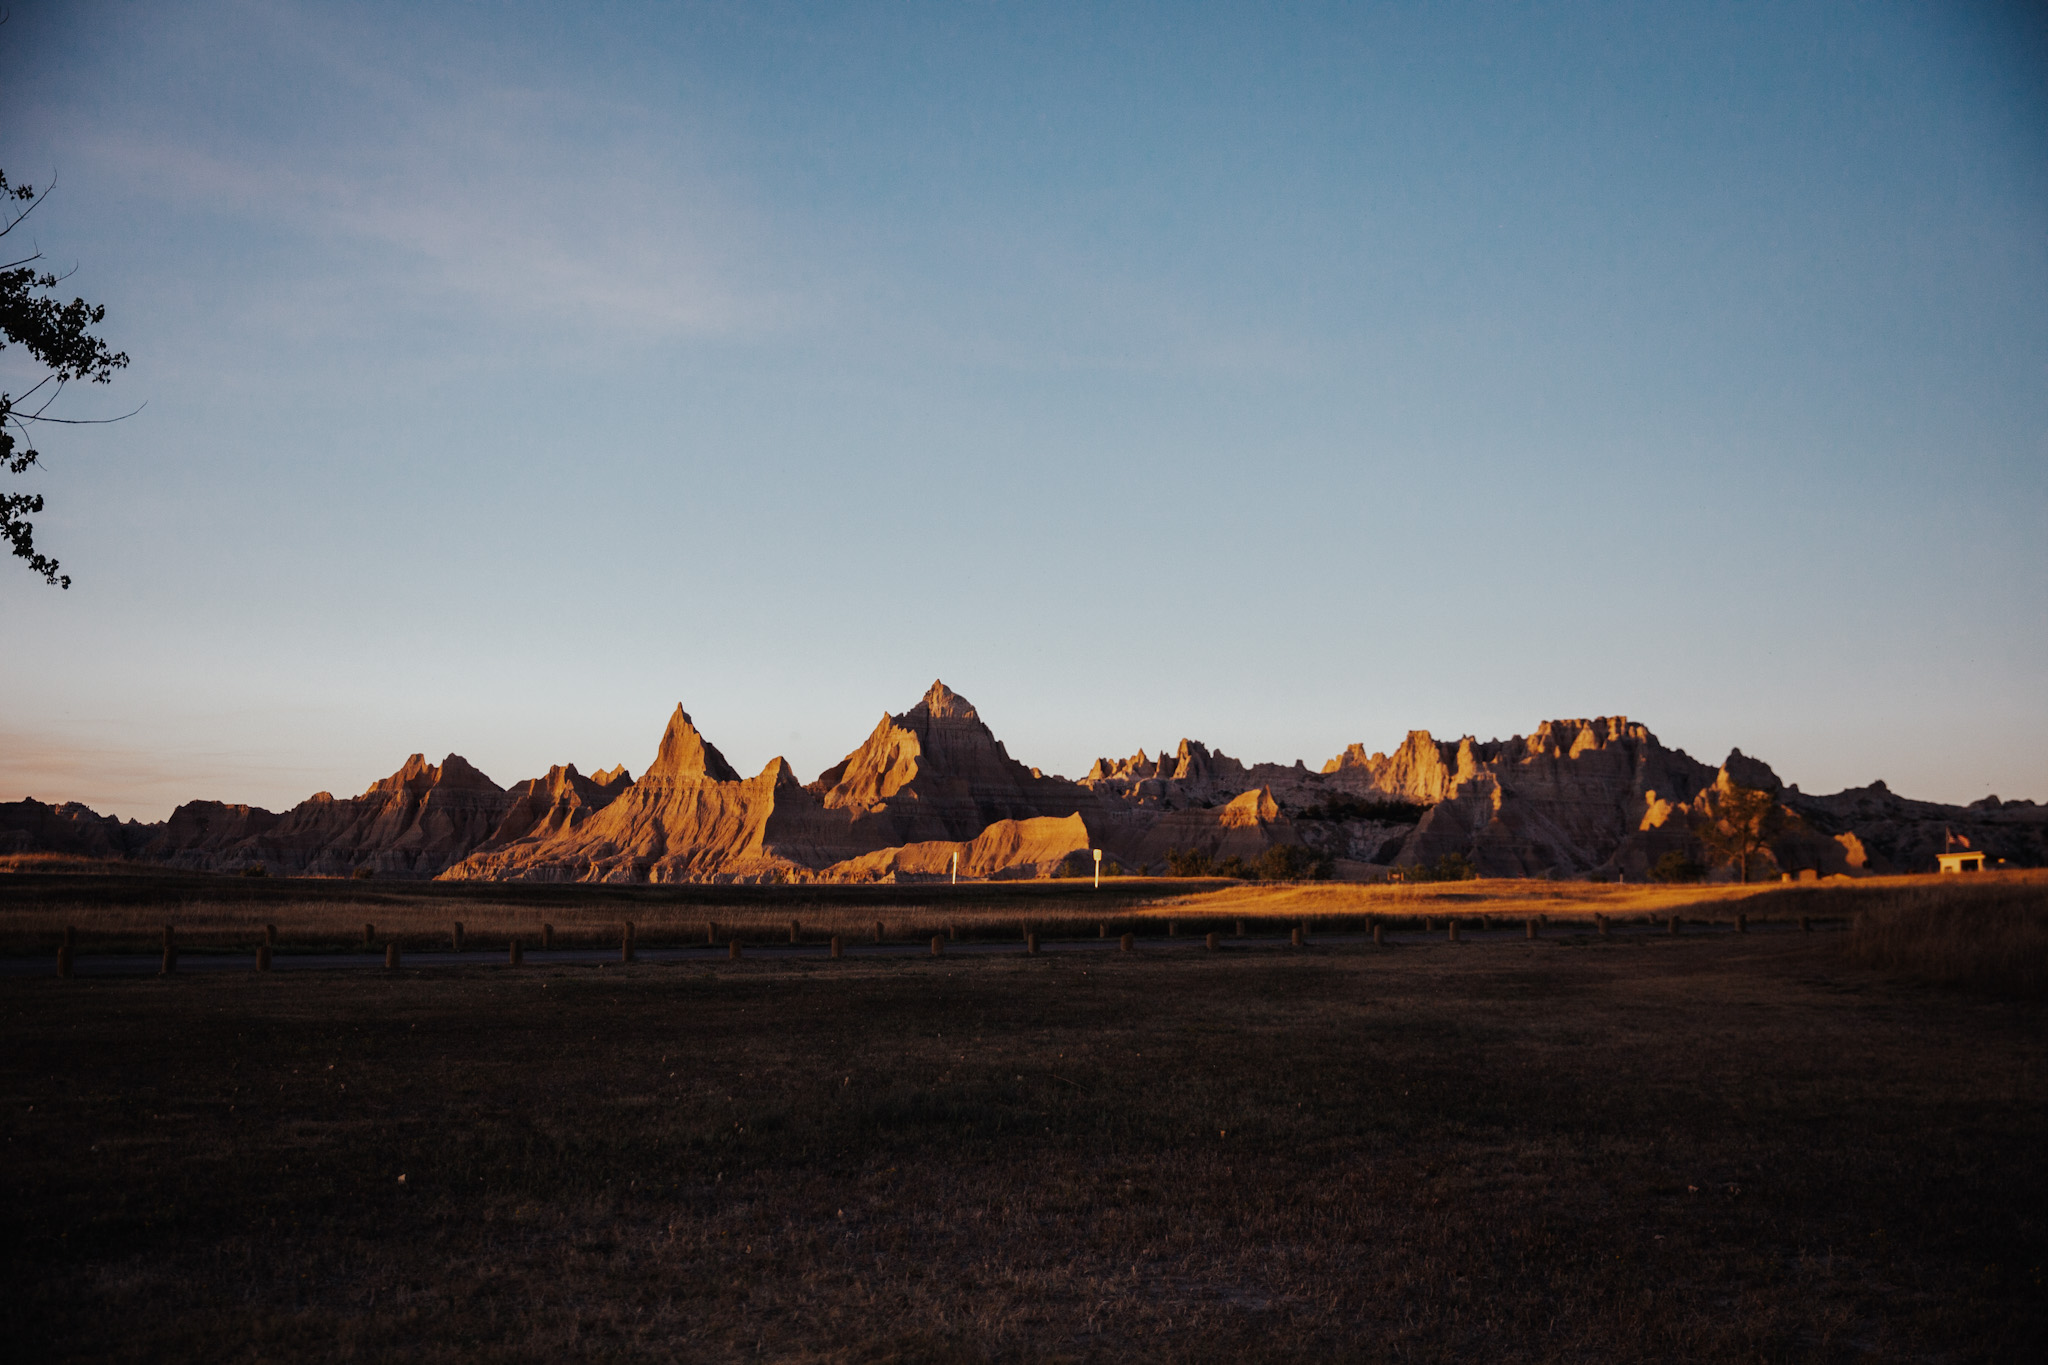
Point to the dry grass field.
(1783, 1146)
(123, 908)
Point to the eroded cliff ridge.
(932, 789)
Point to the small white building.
(1962, 860)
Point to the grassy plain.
(122, 907)
(1702, 1147)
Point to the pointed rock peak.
(605, 777)
(780, 773)
(412, 772)
(943, 703)
(457, 771)
(687, 755)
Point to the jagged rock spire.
(687, 755)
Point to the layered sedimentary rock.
(31, 826)
(933, 775)
(414, 823)
(1881, 831)
(935, 772)
(1600, 797)
(543, 807)
(690, 817)
(1036, 847)
(204, 828)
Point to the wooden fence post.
(1672, 927)
(1532, 928)
(263, 957)
(938, 945)
(456, 937)
(1173, 928)
(838, 950)
(1212, 942)
(1741, 923)
(391, 956)
(518, 955)
(878, 931)
(1454, 931)
(795, 932)
(547, 936)
(1031, 943)
(1600, 923)
(732, 950)
(1102, 931)
(952, 931)
(1240, 929)
(369, 936)
(1805, 925)
(626, 943)
(1125, 944)
(1294, 937)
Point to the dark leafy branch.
(59, 336)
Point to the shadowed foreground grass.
(1990, 933)
(1683, 1149)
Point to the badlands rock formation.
(1600, 797)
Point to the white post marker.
(956, 867)
(1098, 866)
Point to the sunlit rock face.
(932, 785)
(543, 807)
(690, 817)
(935, 772)
(1036, 847)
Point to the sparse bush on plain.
(1280, 863)
(1451, 867)
(1676, 867)
(1293, 863)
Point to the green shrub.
(1342, 806)
(1676, 867)
(1452, 867)
(1293, 863)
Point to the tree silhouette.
(57, 335)
(1741, 824)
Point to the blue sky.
(1282, 376)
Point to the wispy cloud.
(552, 209)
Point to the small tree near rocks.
(1740, 826)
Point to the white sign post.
(1098, 867)
(956, 867)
